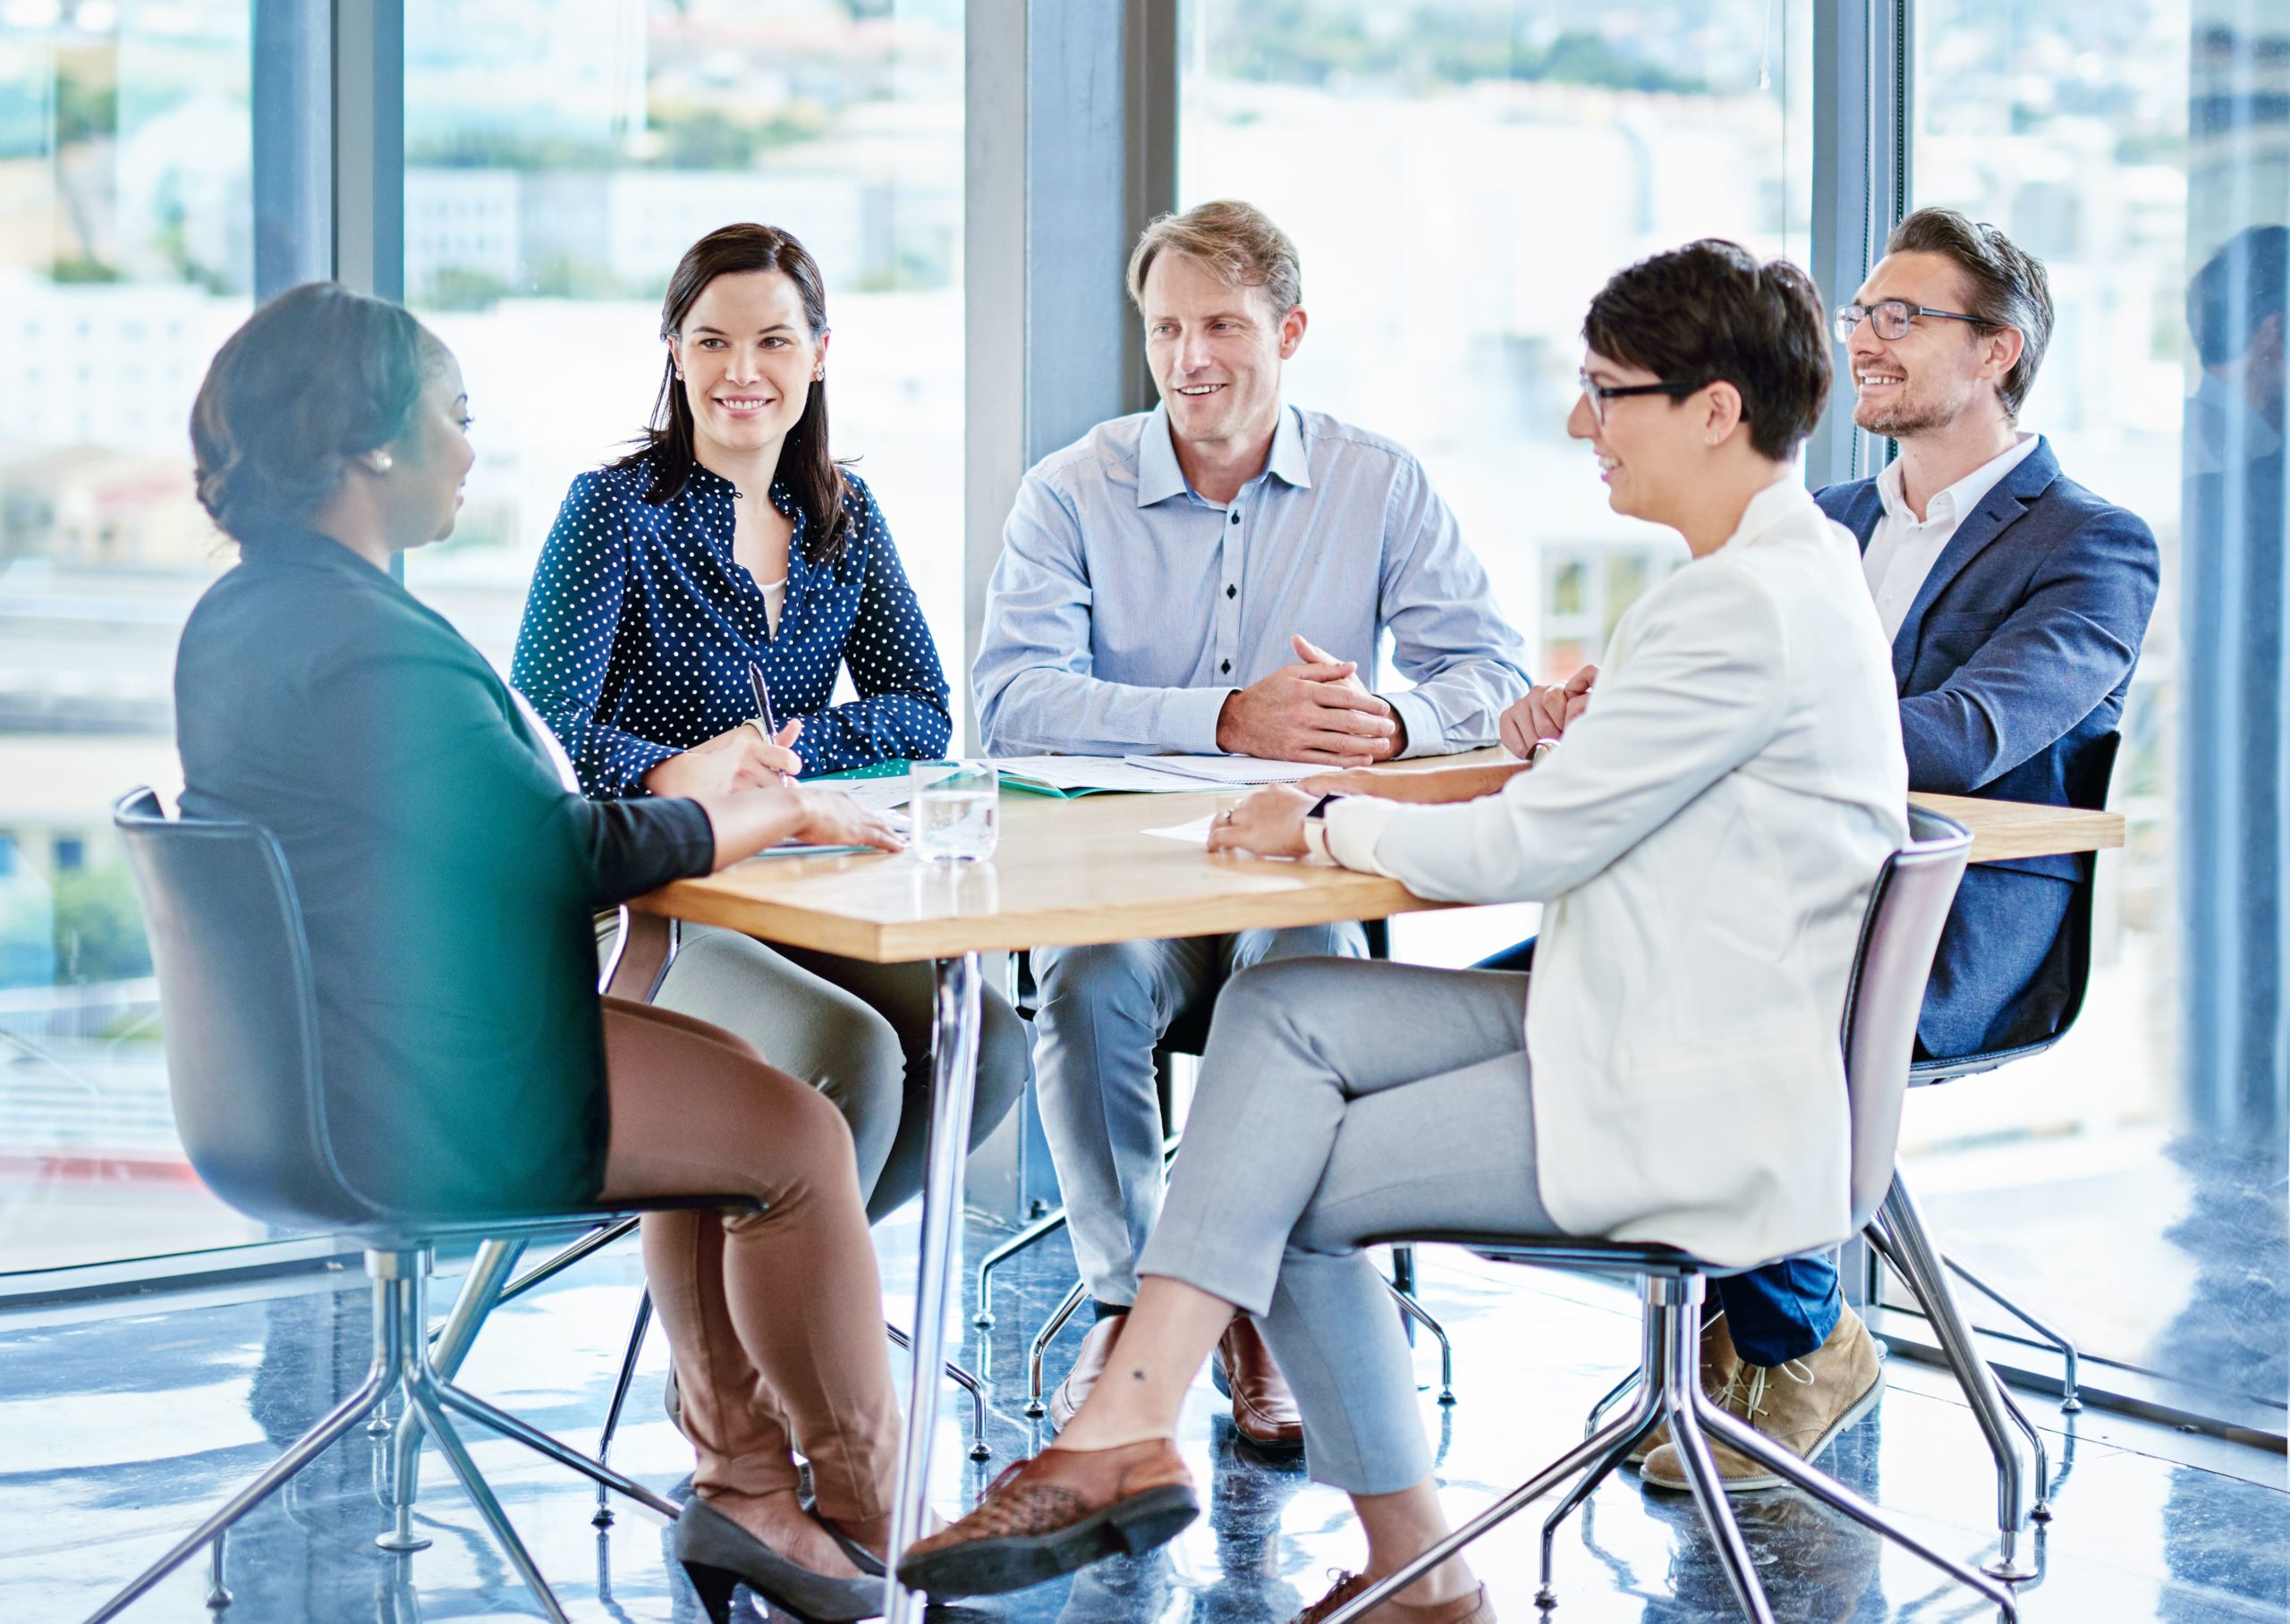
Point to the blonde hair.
(1237, 242)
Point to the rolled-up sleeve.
(1034, 678)
(1448, 637)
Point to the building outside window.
(125, 259)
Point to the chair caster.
(1546, 1598)
(1446, 1395)
(979, 1451)
(1036, 1410)
(602, 1518)
(984, 1322)
(2040, 1511)
(2009, 1569)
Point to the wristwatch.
(1316, 827)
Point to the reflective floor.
(122, 1423)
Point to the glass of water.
(953, 810)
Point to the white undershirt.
(1903, 551)
(775, 599)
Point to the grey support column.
(1071, 121)
(1860, 188)
(369, 146)
(293, 137)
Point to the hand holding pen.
(768, 724)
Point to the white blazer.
(1707, 838)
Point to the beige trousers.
(775, 1317)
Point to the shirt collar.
(1158, 477)
(1950, 506)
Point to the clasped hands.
(1316, 710)
(1270, 823)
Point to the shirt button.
(1232, 592)
(1236, 517)
(1226, 668)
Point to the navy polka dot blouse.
(640, 627)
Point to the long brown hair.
(805, 462)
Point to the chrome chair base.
(1897, 1235)
(402, 1367)
(1672, 1355)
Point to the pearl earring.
(382, 463)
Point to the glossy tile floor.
(122, 1423)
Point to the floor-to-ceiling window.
(126, 251)
(561, 155)
(2129, 1183)
(1460, 176)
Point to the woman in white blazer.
(1705, 840)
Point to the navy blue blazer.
(2012, 664)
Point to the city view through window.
(1459, 176)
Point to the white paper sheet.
(1230, 770)
(1096, 773)
(1194, 834)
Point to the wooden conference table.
(1069, 873)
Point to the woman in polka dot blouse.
(734, 537)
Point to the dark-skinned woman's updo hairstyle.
(809, 469)
(317, 376)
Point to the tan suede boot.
(1719, 1361)
(1801, 1405)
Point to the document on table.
(1194, 834)
(1231, 770)
(879, 788)
(1069, 775)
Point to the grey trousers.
(1103, 1011)
(1340, 1100)
(858, 1033)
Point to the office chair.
(1897, 938)
(1897, 1236)
(237, 995)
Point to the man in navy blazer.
(2016, 602)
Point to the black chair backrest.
(2070, 951)
(241, 1020)
(1899, 934)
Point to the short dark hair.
(2004, 286)
(814, 478)
(1711, 312)
(2237, 290)
(318, 376)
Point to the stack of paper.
(1071, 776)
(1231, 770)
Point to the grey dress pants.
(1341, 1099)
(858, 1033)
(1104, 1008)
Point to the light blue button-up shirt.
(1126, 607)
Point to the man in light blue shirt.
(1214, 576)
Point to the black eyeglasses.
(1888, 318)
(1596, 394)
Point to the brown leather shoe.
(1063, 1509)
(1089, 1364)
(1472, 1609)
(1264, 1409)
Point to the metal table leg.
(953, 1083)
